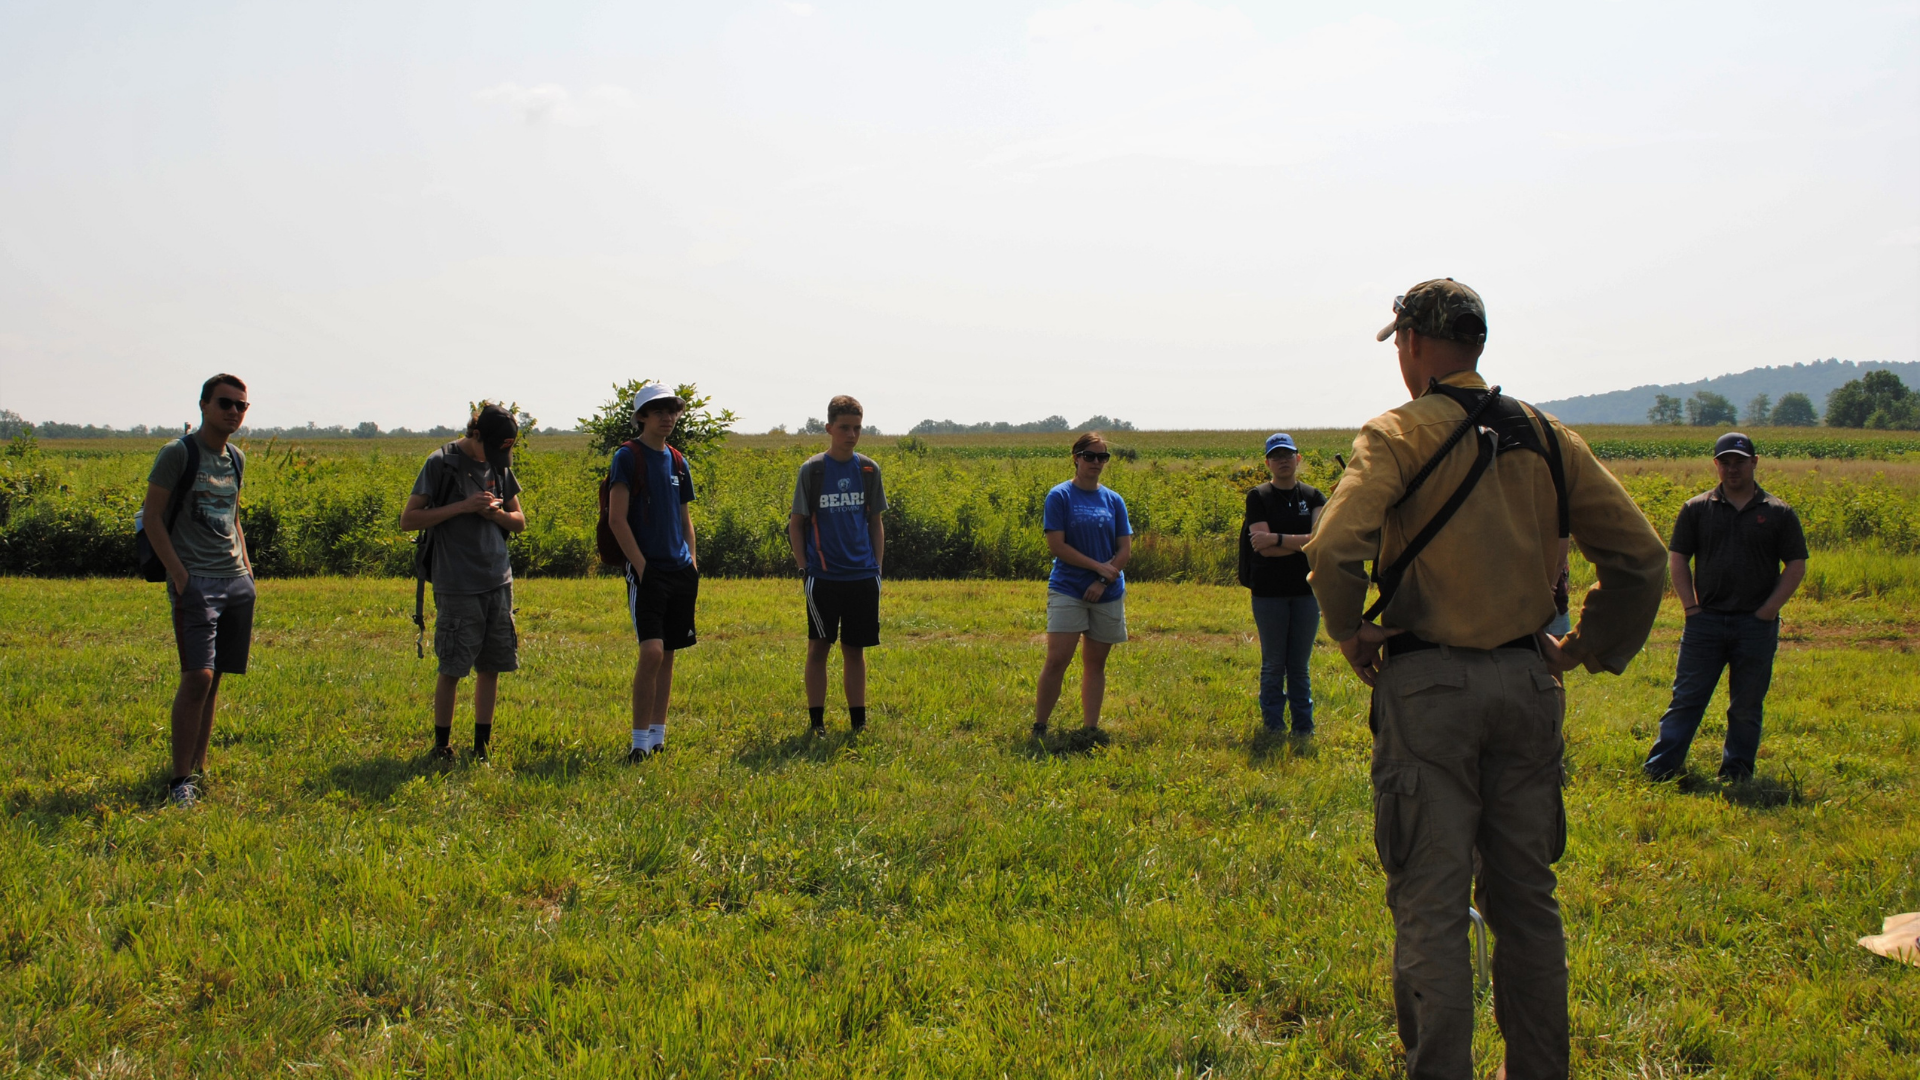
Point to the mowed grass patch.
(935, 897)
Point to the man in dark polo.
(1467, 702)
(1748, 557)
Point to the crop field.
(937, 897)
(964, 506)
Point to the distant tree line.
(1877, 399)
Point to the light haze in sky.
(1185, 214)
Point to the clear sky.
(1185, 214)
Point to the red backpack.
(610, 553)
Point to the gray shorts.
(213, 623)
(1103, 622)
(474, 632)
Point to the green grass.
(936, 898)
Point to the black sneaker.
(817, 728)
(184, 794)
(480, 753)
(440, 753)
(1040, 730)
(638, 754)
(859, 726)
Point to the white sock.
(657, 736)
(640, 740)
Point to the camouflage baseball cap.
(1441, 308)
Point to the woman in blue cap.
(1280, 518)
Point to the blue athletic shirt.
(1094, 522)
(839, 545)
(653, 515)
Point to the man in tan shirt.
(1467, 700)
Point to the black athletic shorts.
(661, 604)
(845, 610)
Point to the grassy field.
(935, 898)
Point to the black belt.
(1402, 644)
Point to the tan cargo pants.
(1466, 756)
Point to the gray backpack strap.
(189, 472)
(816, 478)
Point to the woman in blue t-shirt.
(1091, 540)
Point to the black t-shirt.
(1285, 510)
(1737, 554)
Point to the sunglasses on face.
(1102, 456)
(229, 403)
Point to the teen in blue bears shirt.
(1091, 540)
(839, 545)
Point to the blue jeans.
(1287, 625)
(1714, 640)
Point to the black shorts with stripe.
(661, 605)
(846, 611)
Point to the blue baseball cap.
(1279, 441)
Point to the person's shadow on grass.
(1061, 743)
(1270, 746)
(1755, 792)
(47, 804)
(377, 779)
(806, 747)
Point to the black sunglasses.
(1103, 456)
(229, 403)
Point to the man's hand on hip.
(1362, 650)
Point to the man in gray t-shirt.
(467, 496)
(209, 580)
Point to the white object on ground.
(1898, 939)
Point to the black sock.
(858, 714)
(482, 734)
(817, 714)
(440, 737)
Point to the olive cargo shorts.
(475, 632)
(1466, 757)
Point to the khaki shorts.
(1104, 622)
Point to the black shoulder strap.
(1555, 466)
(1389, 579)
(189, 472)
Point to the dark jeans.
(1287, 625)
(1714, 640)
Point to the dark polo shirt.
(1737, 554)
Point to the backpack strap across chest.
(1500, 423)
